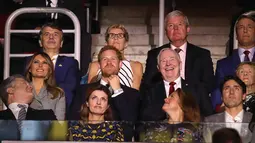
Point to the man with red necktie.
(169, 65)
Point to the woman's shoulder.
(136, 66)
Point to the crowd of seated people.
(174, 90)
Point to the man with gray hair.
(169, 65)
(16, 93)
(196, 66)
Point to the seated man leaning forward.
(169, 65)
(124, 100)
(16, 93)
(233, 94)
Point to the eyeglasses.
(115, 36)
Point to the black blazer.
(198, 67)
(32, 114)
(125, 107)
(153, 100)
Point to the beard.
(109, 70)
(231, 104)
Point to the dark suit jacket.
(32, 114)
(125, 107)
(153, 100)
(9, 124)
(225, 66)
(198, 66)
(67, 76)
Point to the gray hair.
(6, 84)
(164, 49)
(176, 13)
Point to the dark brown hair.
(106, 48)
(189, 106)
(49, 80)
(84, 112)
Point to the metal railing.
(8, 31)
(235, 42)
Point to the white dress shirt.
(15, 109)
(176, 86)
(115, 93)
(236, 122)
(54, 3)
(242, 55)
(182, 54)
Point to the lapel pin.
(60, 65)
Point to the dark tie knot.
(246, 52)
(177, 50)
(172, 83)
(21, 106)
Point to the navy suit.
(198, 67)
(125, 107)
(67, 76)
(225, 66)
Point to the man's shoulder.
(214, 117)
(228, 59)
(197, 49)
(156, 50)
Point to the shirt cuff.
(117, 92)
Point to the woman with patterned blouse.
(181, 110)
(40, 72)
(246, 72)
(96, 115)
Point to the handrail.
(161, 22)
(235, 42)
(8, 31)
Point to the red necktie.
(171, 88)
(246, 56)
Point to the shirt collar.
(241, 50)
(237, 118)
(103, 82)
(177, 81)
(14, 106)
(182, 47)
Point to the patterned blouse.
(174, 133)
(106, 131)
(249, 103)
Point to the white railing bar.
(26, 55)
(36, 31)
(161, 22)
(72, 16)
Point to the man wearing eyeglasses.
(197, 66)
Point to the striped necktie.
(21, 115)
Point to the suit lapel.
(159, 92)
(236, 59)
(58, 68)
(29, 115)
(8, 115)
(253, 58)
(189, 59)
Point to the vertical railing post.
(161, 22)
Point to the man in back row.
(245, 35)
(197, 66)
